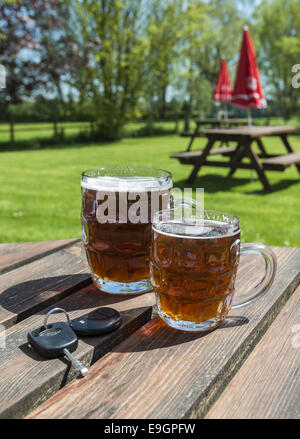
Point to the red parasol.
(223, 90)
(248, 91)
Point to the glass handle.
(185, 202)
(270, 270)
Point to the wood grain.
(13, 256)
(27, 379)
(253, 132)
(284, 160)
(198, 153)
(191, 157)
(268, 385)
(38, 284)
(162, 373)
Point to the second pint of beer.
(118, 205)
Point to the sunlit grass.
(40, 190)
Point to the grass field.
(40, 190)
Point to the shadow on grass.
(279, 186)
(213, 183)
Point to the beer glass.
(118, 205)
(193, 265)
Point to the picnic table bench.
(247, 368)
(244, 138)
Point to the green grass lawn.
(40, 195)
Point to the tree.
(278, 27)
(55, 54)
(110, 66)
(164, 33)
(22, 27)
(17, 36)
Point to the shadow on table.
(221, 183)
(157, 335)
(30, 297)
(30, 352)
(47, 292)
(73, 292)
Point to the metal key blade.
(76, 363)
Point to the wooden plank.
(273, 167)
(236, 159)
(200, 161)
(289, 148)
(257, 166)
(40, 283)
(191, 157)
(253, 132)
(239, 165)
(190, 134)
(268, 385)
(235, 121)
(284, 160)
(26, 379)
(15, 255)
(162, 373)
(223, 122)
(261, 147)
(196, 154)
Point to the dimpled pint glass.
(118, 205)
(194, 262)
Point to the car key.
(100, 321)
(56, 339)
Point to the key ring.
(51, 312)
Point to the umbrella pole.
(250, 125)
(249, 118)
(226, 110)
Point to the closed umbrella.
(223, 90)
(248, 92)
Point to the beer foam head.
(206, 225)
(126, 179)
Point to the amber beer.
(117, 243)
(193, 268)
(194, 277)
(193, 264)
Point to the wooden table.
(248, 368)
(244, 137)
(210, 123)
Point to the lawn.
(40, 190)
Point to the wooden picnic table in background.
(244, 138)
(247, 368)
(210, 123)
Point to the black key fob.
(51, 341)
(100, 321)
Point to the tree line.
(120, 60)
